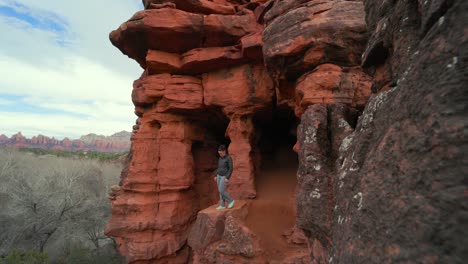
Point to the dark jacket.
(225, 166)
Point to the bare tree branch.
(50, 195)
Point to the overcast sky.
(59, 74)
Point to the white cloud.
(99, 110)
(83, 79)
(101, 97)
(87, 76)
(30, 45)
(89, 23)
(6, 102)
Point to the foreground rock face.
(118, 142)
(379, 180)
(394, 190)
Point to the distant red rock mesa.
(370, 95)
(118, 142)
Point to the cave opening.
(205, 157)
(272, 213)
(278, 164)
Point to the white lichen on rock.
(343, 124)
(340, 184)
(310, 158)
(310, 135)
(346, 143)
(358, 196)
(374, 103)
(453, 63)
(340, 219)
(315, 194)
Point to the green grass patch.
(93, 155)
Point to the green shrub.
(29, 257)
(81, 255)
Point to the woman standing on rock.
(223, 174)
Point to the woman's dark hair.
(222, 148)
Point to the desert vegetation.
(53, 209)
(95, 155)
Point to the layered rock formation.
(118, 142)
(256, 74)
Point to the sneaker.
(231, 204)
(220, 207)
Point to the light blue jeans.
(223, 195)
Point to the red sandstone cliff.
(377, 135)
(118, 142)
